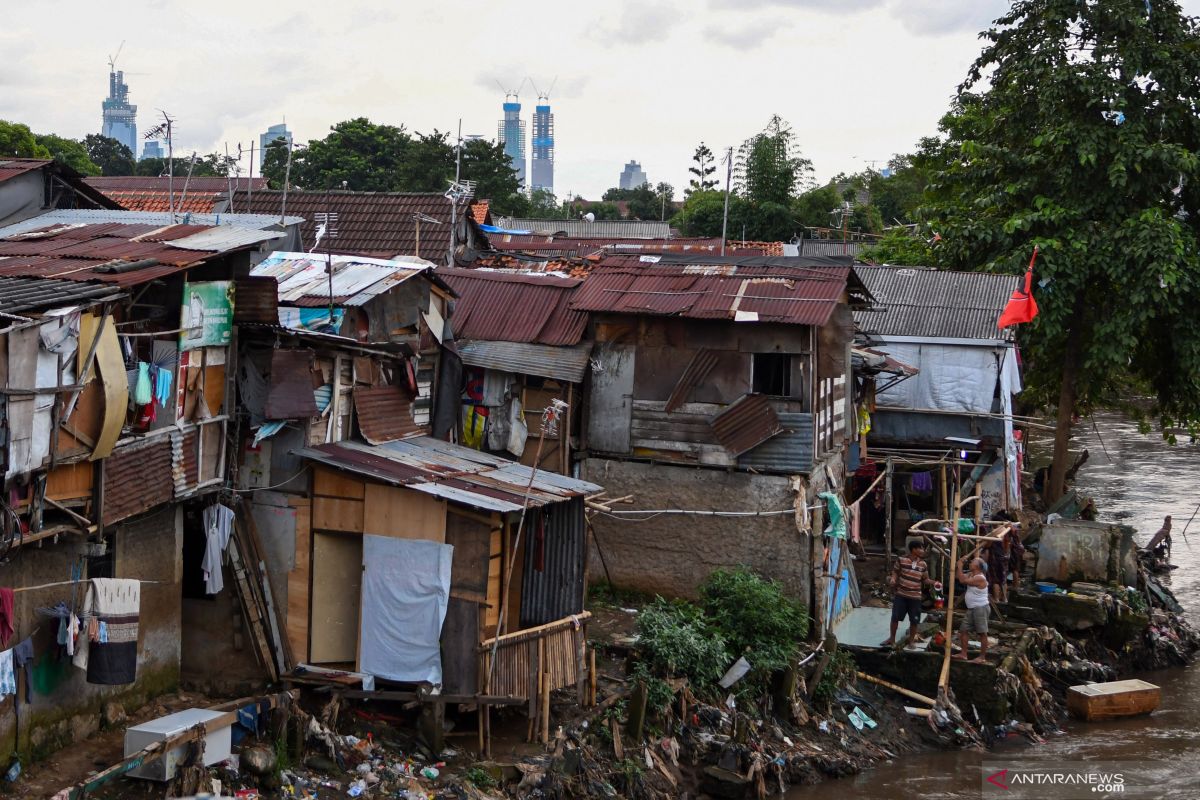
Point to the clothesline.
(62, 583)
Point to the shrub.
(675, 640)
(754, 617)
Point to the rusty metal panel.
(697, 370)
(746, 423)
(488, 299)
(567, 363)
(137, 479)
(385, 414)
(256, 300)
(790, 452)
(290, 389)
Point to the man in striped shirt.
(908, 577)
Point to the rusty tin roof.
(504, 306)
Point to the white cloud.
(742, 37)
(638, 23)
(934, 17)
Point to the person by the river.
(908, 577)
(975, 618)
(1005, 558)
(1160, 544)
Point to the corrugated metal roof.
(290, 385)
(563, 246)
(607, 229)
(925, 302)
(697, 370)
(385, 414)
(451, 471)
(369, 223)
(514, 307)
(746, 423)
(256, 301)
(91, 216)
(303, 279)
(12, 167)
(21, 294)
(562, 363)
(748, 289)
(224, 237)
(789, 452)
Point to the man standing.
(907, 579)
(976, 617)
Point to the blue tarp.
(494, 229)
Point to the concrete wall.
(1075, 550)
(22, 197)
(65, 707)
(672, 554)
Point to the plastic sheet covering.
(405, 592)
(958, 378)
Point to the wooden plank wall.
(298, 580)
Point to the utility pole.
(728, 182)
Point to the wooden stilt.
(944, 678)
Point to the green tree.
(702, 212)
(703, 170)
(357, 154)
(485, 163)
(1075, 130)
(769, 167)
(111, 156)
(17, 141)
(813, 208)
(71, 152)
(274, 163)
(902, 247)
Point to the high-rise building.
(274, 132)
(120, 118)
(511, 134)
(153, 149)
(541, 173)
(633, 176)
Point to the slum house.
(395, 553)
(586, 229)
(718, 384)
(519, 364)
(116, 335)
(378, 224)
(33, 186)
(195, 195)
(958, 409)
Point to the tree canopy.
(18, 141)
(1076, 131)
(111, 156)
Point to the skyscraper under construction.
(511, 134)
(120, 117)
(542, 170)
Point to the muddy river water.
(1138, 481)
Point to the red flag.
(1021, 306)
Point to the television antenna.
(165, 131)
(327, 230)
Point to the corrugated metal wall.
(789, 452)
(556, 590)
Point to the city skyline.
(652, 78)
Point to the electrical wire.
(303, 470)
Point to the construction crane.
(112, 60)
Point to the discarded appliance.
(217, 743)
(1100, 701)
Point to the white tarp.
(405, 591)
(953, 377)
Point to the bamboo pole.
(944, 678)
(945, 494)
(889, 513)
(900, 689)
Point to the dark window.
(194, 545)
(771, 373)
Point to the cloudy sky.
(859, 80)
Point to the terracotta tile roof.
(481, 212)
(160, 183)
(141, 200)
(488, 299)
(378, 224)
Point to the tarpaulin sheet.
(959, 378)
(405, 592)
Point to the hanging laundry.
(142, 394)
(117, 604)
(23, 660)
(218, 524)
(162, 387)
(6, 616)
(836, 513)
(8, 678)
(921, 482)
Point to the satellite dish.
(589, 217)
